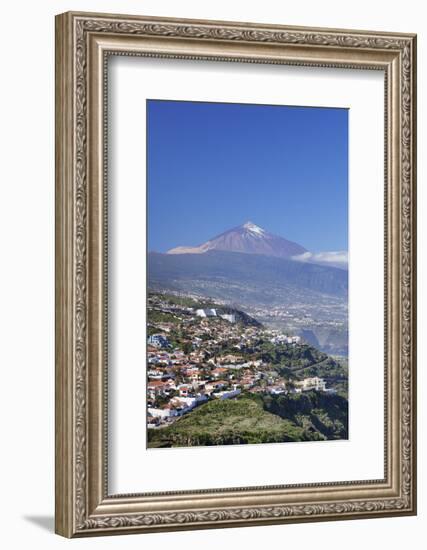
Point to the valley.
(306, 299)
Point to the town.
(199, 351)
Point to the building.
(185, 390)
(276, 390)
(314, 383)
(157, 388)
(219, 371)
(230, 317)
(206, 313)
(283, 339)
(157, 374)
(188, 403)
(227, 394)
(158, 340)
(248, 382)
(165, 412)
(214, 385)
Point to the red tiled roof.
(153, 383)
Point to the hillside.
(253, 341)
(304, 361)
(245, 278)
(256, 419)
(225, 423)
(166, 307)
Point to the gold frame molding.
(83, 43)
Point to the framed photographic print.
(235, 274)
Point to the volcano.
(247, 238)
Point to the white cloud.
(335, 258)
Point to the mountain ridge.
(240, 274)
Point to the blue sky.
(213, 166)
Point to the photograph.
(235, 272)
(247, 273)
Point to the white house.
(230, 317)
(277, 390)
(156, 374)
(190, 402)
(186, 404)
(314, 383)
(206, 313)
(165, 412)
(283, 339)
(226, 394)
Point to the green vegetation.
(225, 422)
(184, 301)
(304, 361)
(334, 373)
(257, 419)
(156, 316)
(290, 356)
(324, 413)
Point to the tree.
(160, 401)
(187, 347)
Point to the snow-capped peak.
(253, 228)
(246, 238)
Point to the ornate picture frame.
(84, 42)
